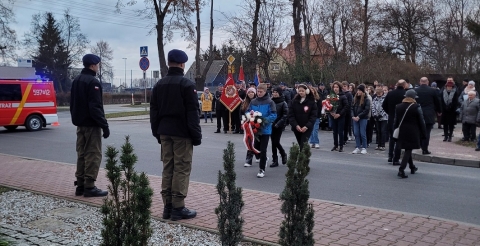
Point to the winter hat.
(278, 90)
(90, 59)
(471, 82)
(206, 89)
(362, 88)
(434, 84)
(252, 89)
(450, 83)
(177, 56)
(411, 94)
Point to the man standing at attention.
(176, 126)
(86, 109)
(430, 103)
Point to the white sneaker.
(349, 139)
(355, 151)
(317, 146)
(364, 151)
(257, 160)
(247, 165)
(261, 174)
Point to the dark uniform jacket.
(219, 105)
(413, 128)
(390, 102)
(302, 114)
(349, 97)
(428, 100)
(86, 101)
(282, 112)
(174, 107)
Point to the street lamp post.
(126, 72)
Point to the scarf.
(206, 96)
(448, 96)
(409, 100)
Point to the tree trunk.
(366, 25)
(254, 41)
(160, 14)
(297, 19)
(199, 81)
(210, 56)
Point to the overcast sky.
(124, 32)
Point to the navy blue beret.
(90, 59)
(177, 56)
(239, 82)
(281, 83)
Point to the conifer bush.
(297, 226)
(231, 204)
(127, 208)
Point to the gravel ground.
(20, 210)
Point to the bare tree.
(8, 36)
(105, 52)
(169, 15)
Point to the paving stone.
(49, 224)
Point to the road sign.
(144, 63)
(230, 59)
(156, 74)
(143, 51)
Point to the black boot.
(218, 131)
(284, 158)
(274, 162)
(445, 139)
(449, 138)
(341, 149)
(94, 192)
(79, 189)
(182, 213)
(402, 175)
(167, 211)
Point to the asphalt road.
(443, 191)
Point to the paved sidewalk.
(335, 224)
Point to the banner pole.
(229, 121)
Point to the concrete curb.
(445, 160)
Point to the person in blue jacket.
(268, 109)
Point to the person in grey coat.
(470, 115)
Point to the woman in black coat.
(449, 100)
(338, 117)
(412, 130)
(278, 126)
(302, 114)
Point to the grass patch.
(137, 106)
(4, 189)
(63, 108)
(126, 114)
(467, 143)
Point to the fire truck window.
(10, 92)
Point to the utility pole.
(126, 71)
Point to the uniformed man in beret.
(86, 109)
(176, 126)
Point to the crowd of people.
(362, 113)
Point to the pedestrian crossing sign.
(143, 51)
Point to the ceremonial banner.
(230, 97)
(257, 80)
(241, 76)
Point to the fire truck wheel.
(10, 128)
(34, 123)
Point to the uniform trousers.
(89, 155)
(176, 156)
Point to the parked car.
(200, 113)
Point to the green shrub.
(127, 210)
(296, 228)
(231, 204)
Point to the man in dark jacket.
(430, 103)
(86, 109)
(220, 111)
(391, 100)
(176, 126)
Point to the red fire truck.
(27, 103)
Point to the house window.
(275, 66)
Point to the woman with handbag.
(409, 128)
